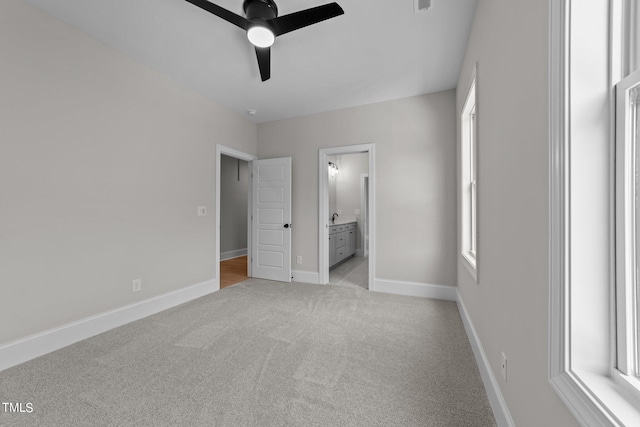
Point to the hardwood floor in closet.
(233, 271)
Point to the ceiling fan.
(263, 24)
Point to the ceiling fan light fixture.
(260, 36)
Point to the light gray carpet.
(263, 353)
(353, 272)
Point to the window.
(469, 135)
(628, 228)
(594, 340)
(472, 179)
(627, 196)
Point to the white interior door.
(271, 219)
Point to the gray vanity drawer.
(333, 229)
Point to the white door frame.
(323, 207)
(232, 152)
(364, 210)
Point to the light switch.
(357, 212)
(421, 5)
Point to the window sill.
(629, 387)
(469, 262)
(595, 398)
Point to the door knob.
(287, 225)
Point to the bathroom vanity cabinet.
(342, 242)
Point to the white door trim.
(364, 212)
(323, 207)
(232, 152)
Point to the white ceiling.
(378, 50)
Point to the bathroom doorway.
(346, 200)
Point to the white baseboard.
(232, 254)
(498, 404)
(415, 289)
(24, 349)
(305, 276)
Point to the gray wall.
(348, 187)
(102, 165)
(415, 158)
(234, 193)
(509, 307)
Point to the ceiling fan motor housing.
(264, 9)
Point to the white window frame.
(473, 178)
(627, 278)
(594, 396)
(469, 179)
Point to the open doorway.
(233, 207)
(268, 214)
(347, 264)
(346, 230)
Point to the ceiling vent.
(421, 5)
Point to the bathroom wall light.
(333, 168)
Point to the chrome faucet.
(333, 217)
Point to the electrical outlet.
(339, 211)
(137, 285)
(202, 210)
(299, 259)
(504, 367)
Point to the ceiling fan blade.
(293, 21)
(228, 16)
(264, 62)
